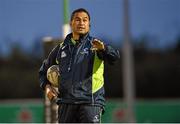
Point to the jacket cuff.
(43, 85)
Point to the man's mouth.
(81, 28)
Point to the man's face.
(80, 23)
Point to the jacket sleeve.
(51, 60)
(110, 54)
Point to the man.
(81, 62)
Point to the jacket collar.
(81, 39)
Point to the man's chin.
(82, 33)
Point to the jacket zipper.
(70, 63)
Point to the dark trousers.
(71, 113)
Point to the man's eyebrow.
(85, 17)
(80, 17)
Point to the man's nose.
(81, 22)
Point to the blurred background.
(146, 32)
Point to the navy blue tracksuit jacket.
(81, 70)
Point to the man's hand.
(97, 45)
(51, 92)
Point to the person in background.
(81, 95)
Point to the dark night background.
(155, 31)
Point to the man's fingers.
(96, 42)
(55, 92)
(51, 93)
(51, 96)
(94, 49)
(97, 45)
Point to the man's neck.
(75, 37)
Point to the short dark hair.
(79, 10)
